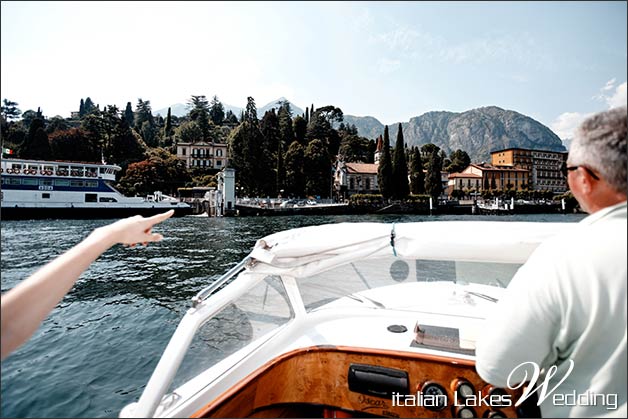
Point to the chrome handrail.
(206, 292)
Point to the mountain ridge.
(477, 131)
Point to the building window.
(368, 183)
(219, 153)
(351, 183)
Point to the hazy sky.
(554, 61)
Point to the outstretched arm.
(26, 305)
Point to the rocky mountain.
(367, 126)
(477, 131)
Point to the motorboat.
(61, 189)
(347, 320)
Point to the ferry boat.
(347, 320)
(60, 189)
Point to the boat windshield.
(259, 311)
(355, 279)
(244, 322)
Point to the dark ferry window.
(45, 196)
(91, 197)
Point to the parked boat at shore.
(347, 320)
(60, 189)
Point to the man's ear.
(586, 182)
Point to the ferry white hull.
(43, 189)
(87, 211)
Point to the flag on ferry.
(7, 151)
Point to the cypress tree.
(294, 163)
(384, 171)
(37, 146)
(216, 111)
(128, 114)
(168, 129)
(316, 169)
(416, 173)
(81, 108)
(400, 169)
(88, 106)
(433, 185)
(300, 129)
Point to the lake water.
(97, 349)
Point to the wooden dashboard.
(348, 382)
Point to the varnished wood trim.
(213, 405)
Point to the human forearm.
(29, 303)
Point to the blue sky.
(554, 61)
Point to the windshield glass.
(357, 277)
(260, 310)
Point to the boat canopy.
(306, 251)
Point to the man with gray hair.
(564, 312)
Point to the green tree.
(161, 171)
(384, 171)
(74, 144)
(57, 123)
(417, 177)
(354, 149)
(271, 148)
(320, 127)
(82, 108)
(188, 132)
(317, 169)
(28, 117)
(88, 106)
(128, 115)
(269, 126)
(36, 146)
(216, 111)
(168, 130)
(199, 112)
(460, 160)
(231, 119)
(247, 153)
(126, 146)
(10, 111)
(145, 122)
(294, 162)
(433, 184)
(300, 129)
(286, 133)
(401, 188)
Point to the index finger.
(159, 217)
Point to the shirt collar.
(618, 210)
